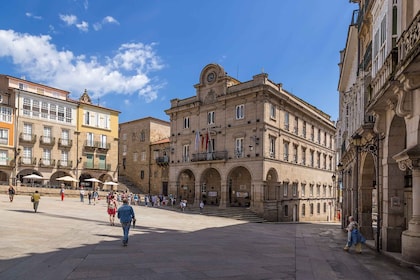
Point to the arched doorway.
(210, 185)
(29, 182)
(239, 187)
(393, 188)
(186, 186)
(272, 185)
(368, 196)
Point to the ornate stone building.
(252, 144)
(378, 128)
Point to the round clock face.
(210, 77)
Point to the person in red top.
(112, 210)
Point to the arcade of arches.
(212, 189)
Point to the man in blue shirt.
(126, 215)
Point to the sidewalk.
(73, 240)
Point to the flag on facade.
(197, 140)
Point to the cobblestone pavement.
(73, 240)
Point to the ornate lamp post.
(334, 178)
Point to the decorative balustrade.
(220, 155)
(409, 40)
(385, 73)
(47, 141)
(62, 142)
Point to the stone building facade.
(144, 154)
(252, 144)
(41, 128)
(378, 128)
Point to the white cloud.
(83, 26)
(30, 15)
(106, 20)
(109, 19)
(127, 72)
(69, 19)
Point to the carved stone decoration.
(85, 98)
(380, 125)
(409, 158)
(210, 97)
(404, 104)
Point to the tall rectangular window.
(272, 147)
(3, 157)
(296, 126)
(304, 129)
(286, 121)
(210, 118)
(27, 131)
(6, 114)
(47, 135)
(35, 108)
(285, 189)
(239, 147)
(64, 158)
(4, 136)
(46, 157)
(311, 158)
(240, 111)
(187, 122)
(286, 151)
(103, 142)
(65, 137)
(27, 155)
(303, 189)
(272, 111)
(186, 153)
(295, 153)
(89, 139)
(303, 155)
(311, 190)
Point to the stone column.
(223, 196)
(411, 237)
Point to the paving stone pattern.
(73, 240)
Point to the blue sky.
(134, 56)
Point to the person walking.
(201, 207)
(35, 200)
(112, 210)
(354, 237)
(82, 194)
(126, 216)
(95, 197)
(11, 193)
(89, 196)
(62, 193)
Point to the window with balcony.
(65, 137)
(102, 162)
(239, 147)
(103, 142)
(240, 112)
(64, 161)
(27, 132)
(90, 139)
(27, 155)
(46, 157)
(47, 139)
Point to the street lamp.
(357, 142)
(334, 178)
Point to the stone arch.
(393, 186)
(272, 184)
(367, 195)
(57, 184)
(29, 171)
(4, 178)
(239, 187)
(211, 186)
(186, 186)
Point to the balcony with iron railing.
(385, 73)
(162, 160)
(65, 143)
(97, 144)
(27, 161)
(64, 164)
(27, 138)
(97, 166)
(4, 162)
(409, 42)
(218, 155)
(47, 141)
(45, 162)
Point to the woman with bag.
(354, 237)
(35, 200)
